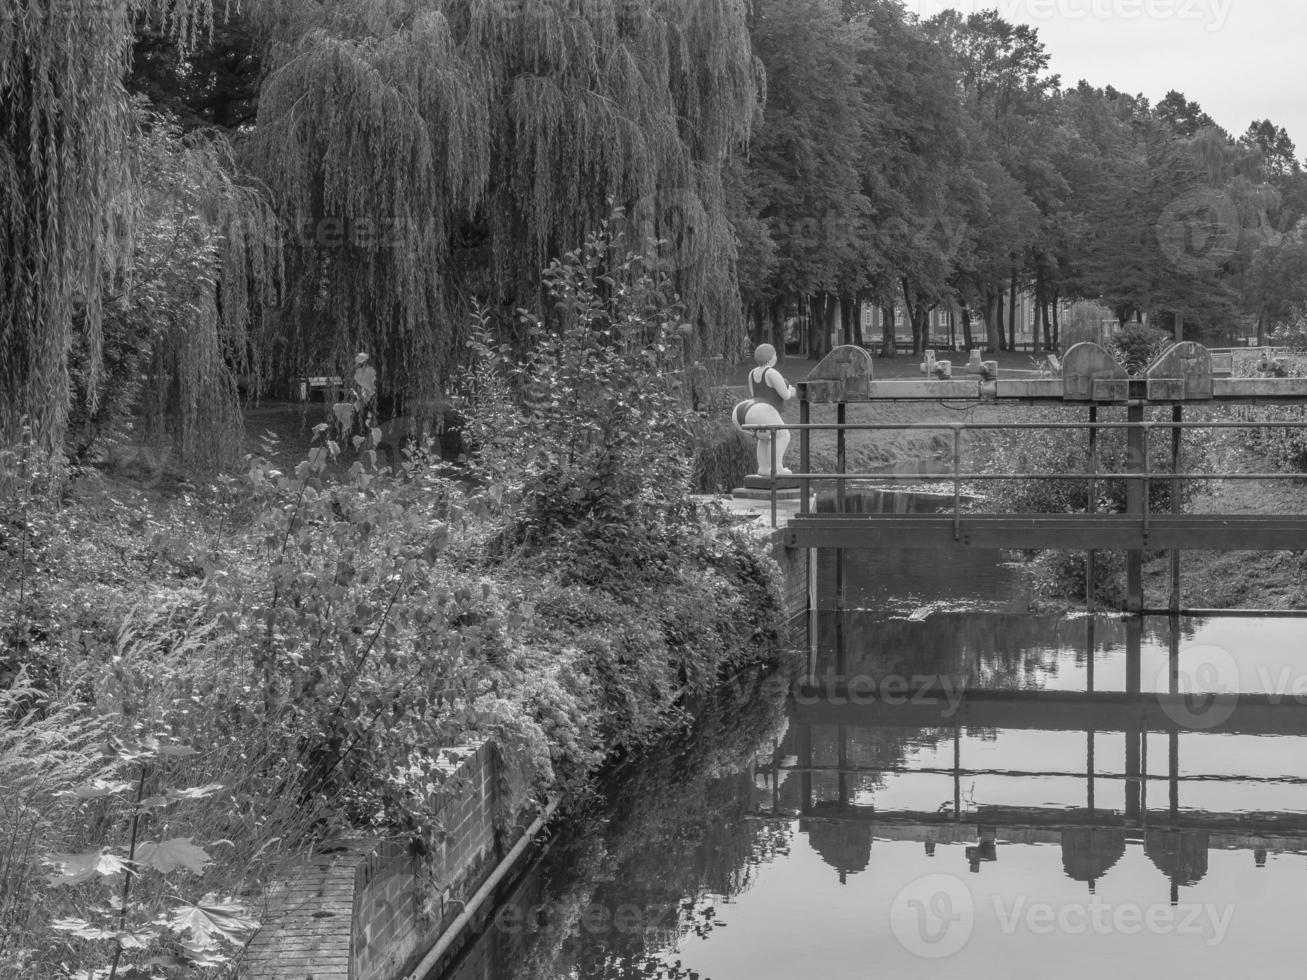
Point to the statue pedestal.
(755, 482)
(760, 488)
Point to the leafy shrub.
(318, 638)
(587, 432)
(1063, 574)
(1286, 448)
(1058, 573)
(1135, 345)
(723, 456)
(1292, 332)
(1066, 451)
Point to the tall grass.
(723, 456)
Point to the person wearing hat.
(768, 393)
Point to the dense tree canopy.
(85, 217)
(433, 151)
(298, 179)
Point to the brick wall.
(465, 809)
(388, 924)
(363, 910)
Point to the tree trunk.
(816, 311)
(967, 342)
(1012, 310)
(910, 309)
(1003, 340)
(1057, 326)
(824, 311)
(778, 326)
(848, 306)
(994, 320)
(858, 334)
(1039, 305)
(833, 318)
(888, 346)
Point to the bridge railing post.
(1091, 557)
(957, 482)
(1177, 416)
(841, 454)
(1136, 500)
(773, 433)
(1146, 483)
(804, 449)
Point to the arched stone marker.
(1091, 374)
(844, 375)
(1182, 372)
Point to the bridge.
(1182, 376)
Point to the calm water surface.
(1038, 832)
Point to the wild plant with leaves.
(588, 428)
(92, 881)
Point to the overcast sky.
(1239, 59)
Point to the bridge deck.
(1077, 532)
(857, 706)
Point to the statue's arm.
(779, 384)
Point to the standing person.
(365, 391)
(768, 393)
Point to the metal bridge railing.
(1138, 471)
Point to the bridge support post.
(1173, 686)
(841, 454)
(1177, 416)
(1134, 735)
(1136, 503)
(1091, 557)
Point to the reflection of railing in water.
(986, 825)
(827, 693)
(849, 707)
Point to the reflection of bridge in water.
(854, 724)
(852, 727)
(810, 776)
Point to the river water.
(947, 785)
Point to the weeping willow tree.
(205, 264)
(432, 153)
(95, 201)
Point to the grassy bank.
(1239, 579)
(201, 679)
(232, 671)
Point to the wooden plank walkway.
(306, 934)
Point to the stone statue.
(768, 392)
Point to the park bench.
(308, 384)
